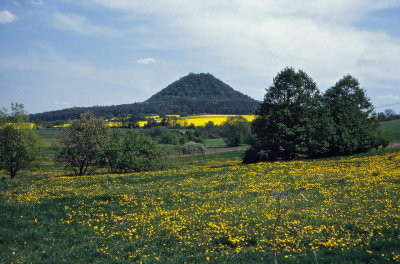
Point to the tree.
(236, 131)
(19, 145)
(355, 130)
(113, 151)
(389, 113)
(209, 125)
(133, 152)
(287, 124)
(83, 142)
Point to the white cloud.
(39, 2)
(261, 37)
(7, 17)
(80, 24)
(48, 72)
(146, 61)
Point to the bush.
(172, 149)
(133, 152)
(169, 138)
(193, 148)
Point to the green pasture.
(206, 209)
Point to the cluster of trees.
(88, 143)
(387, 115)
(295, 120)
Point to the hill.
(200, 93)
(192, 94)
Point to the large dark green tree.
(287, 123)
(355, 130)
(19, 144)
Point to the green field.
(392, 128)
(207, 209)
(214, 143)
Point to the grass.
(214, 143)
(208, 209)
(392, 128)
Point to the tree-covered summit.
(199, 85)
(201, 93)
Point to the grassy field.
(392, 128)
(214, 142)
(206, 209)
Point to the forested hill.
(192, 94)
(200, 93)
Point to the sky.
(56, 54)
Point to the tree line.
(296, 120)
(84, 146)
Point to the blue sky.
(56, 54)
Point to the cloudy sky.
(56, 54)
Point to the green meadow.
(206, 209)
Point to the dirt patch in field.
(220, 150)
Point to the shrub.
(193, 148)
(169, 138)
(172, 149)
(134, 152)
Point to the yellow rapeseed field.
(199, 120)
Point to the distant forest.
(192, 94)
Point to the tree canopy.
(355, 129)
(236, 131)
(82, 143)
(19, 145)
(296, 120)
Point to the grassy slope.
(392, 128)
(207, 208)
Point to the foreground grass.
(209, 209)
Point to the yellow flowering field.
(214, 209)
(198, 120)
(22, 125)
